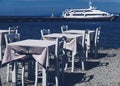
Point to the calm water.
(110, 32)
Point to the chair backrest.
(84, 39)
(59, 55)
(44, 32)
(59, 46)
(12, 37)
(64, 28)
(97, 35)
(13, 29)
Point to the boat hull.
(111, 18)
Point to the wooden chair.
(58, 64)
(64, 28)
(81, 51)
(96, 41)
(94, 44)
(44, 32)
(84, 49)
(13, 29)
(9, 38)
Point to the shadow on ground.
(91, 64)
(111, 55)
(100, 55)
(87, 78)
(70, 79)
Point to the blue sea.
(110, 30)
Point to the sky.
(47, 7)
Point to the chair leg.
(96, 51)
(73, 60)
(83, 65)
(86, 54)
(66, 66)
(8, 72)
(23, 72)
(56, 80)
(36, 73)
(62, 75)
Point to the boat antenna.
(90, 4)
(52, 15)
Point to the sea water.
(110, 30)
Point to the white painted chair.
(38, 72)
(44, 32)
(58, 64)
(10, 37)
(60, 61)
(96, 41)
(13, 36)
(13, 29)
(82, 51)
(64, 28)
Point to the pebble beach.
(101, 71)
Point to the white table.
(1, 40)
(38, 48)
(71, 43)
(78, 31)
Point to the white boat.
(90, 13)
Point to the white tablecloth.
(71, 40)
(38, 48)
(1, 40)
(90, 36)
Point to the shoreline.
(47, 18)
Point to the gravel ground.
(106, 73)
(102, 71)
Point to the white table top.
(3, 31)
(59, 35)
(71, 42)
(35, 43)
(78, 31)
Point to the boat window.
(67, 14)
(78, 11)
(87, 11)
(94, 14)
(104, 14)
(83, 11)
(78, 14)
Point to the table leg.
(72, 69)
(83, 65)
(86, 54)
(14, 74)
(44, 72)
